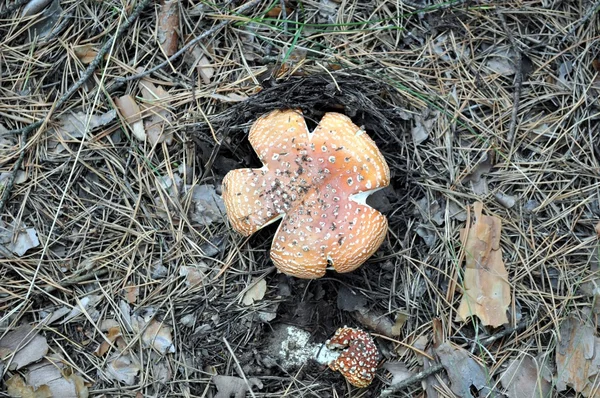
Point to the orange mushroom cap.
(358, 362)
(318, 183)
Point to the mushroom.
(358, 362)
(317, 183)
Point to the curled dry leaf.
(398, 370)
(130, 110)
(523, 378)
(464, 372)
(255, 293)
(486, 289)
(156, 116)
(51, 374)
(131, 293)
(34, 6)
(113, 334)
(168, 26)
(22, 346)
(85, 53)
(156, 335)
(229, 385)
(578, 357)
(75, 124)
(123, 368)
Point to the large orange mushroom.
(317, 182)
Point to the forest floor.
(121, 275)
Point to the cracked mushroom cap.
(358, 362)
(317, 182)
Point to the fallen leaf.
(398, 370)
(207, 207)
(463, 371)
(255, 293)
(477, 176)
(598, 229)
(155, 114)
(130, 110)
(577, 357)
(22, 346)
(74, 125)
(113, 334)
(34, 6)
(486, 292)
(205, 70)
(16, 387)
(523, 378)
(505, 200)
(275, 11)
(168, 26)
(26, 240)
(423, 125)
(157, 335)
(194, 274)
(50, 373)
(47, 21)
(85, 53)
(123, 368)
(131, 293)
(229, 385)
(348, 300)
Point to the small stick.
(518, 80)
(583, 20)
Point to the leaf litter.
(486, 291)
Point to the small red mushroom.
(358, 362)
(317, 182)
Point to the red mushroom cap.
(358, 362)
(318, 183)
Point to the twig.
(13, 7)
(412, 380)
(119, 81)
(583, 20)
(518, 80)
(438, 367)
(90, 69)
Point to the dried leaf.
(577, 357)
(85, 53)
(123, 368)
(156, 115)
(168, 26)
(229, 385)
(26, 240)
(399, 371)
(130, 110)
(158, 336)
(477, 178)
(75, 124)
(22, 346)
(462, 370)
(348, 300)
(47, 21)
(34, 6)
(16, 387)
(523, 378)
(194, 274)
(113, 333)
(423, 125)
(598, 229)
(255, 293)
(275, 11)
(50, 374)
(205, 70)
(207, 207)
(132, 293)
(486, 289)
